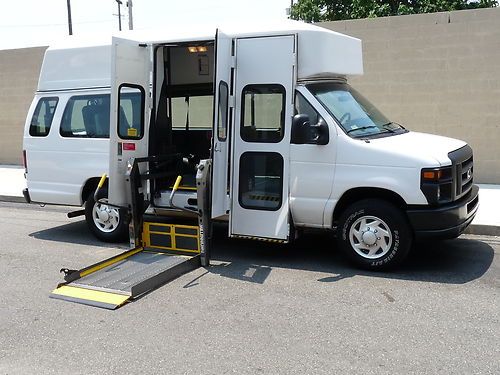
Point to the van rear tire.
(107, 223)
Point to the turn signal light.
(432, 175)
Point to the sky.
(28, 23)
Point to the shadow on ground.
(76, 232)
(452, 262)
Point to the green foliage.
(332, 10)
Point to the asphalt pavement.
(269, 309)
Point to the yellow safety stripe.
(183, 187)
(101, 181)
(173, 248)
(177, 182)
(109, 262)
(91, 295)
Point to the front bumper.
(447, 221)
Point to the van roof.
(74, 63)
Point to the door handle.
(215, 147)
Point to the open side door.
(265, 71)
(130, 111)
(223, 109)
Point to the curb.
(483, 230)
(12, 198)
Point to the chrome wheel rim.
(105, 218)
(370, 237)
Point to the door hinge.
(231, 100)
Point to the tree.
(332, 10)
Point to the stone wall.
(437, 73)
(19, 70)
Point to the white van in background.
(66, 135)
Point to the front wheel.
(374, 234)
(105, 222)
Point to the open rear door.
(264, 93)
(223, 108)
(130, 111)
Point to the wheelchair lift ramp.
(114, 281)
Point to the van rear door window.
(86, 116)
(131, 112)
(42, 117)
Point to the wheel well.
(357, 194)
(89, 187)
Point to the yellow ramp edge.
(89, 297)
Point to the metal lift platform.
(170, 251)
(166, 250)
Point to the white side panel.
(324, 52)
(72, 68)
(132, 65)
(220, 147)
(265, 62)
(59, 167)
(312, 169)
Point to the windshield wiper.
(361, 128)
(387, 125)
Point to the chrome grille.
(463, 171)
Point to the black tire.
(114, 229)
(370, 243)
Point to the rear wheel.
(105, 222)
(374, 234)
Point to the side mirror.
(305, 133)
(301, 129)
(320, 133)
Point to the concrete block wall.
(19, 70)
(437, 73)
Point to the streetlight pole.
(70, 24)
(130, 22)
(119, 14)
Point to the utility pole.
(130, 22)
(70, 25)
(119, 2)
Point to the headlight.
(436, 184)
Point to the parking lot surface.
(260, 308)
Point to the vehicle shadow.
(76, 232)
(450, 262)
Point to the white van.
(292, 145)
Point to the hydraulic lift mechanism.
(162, 249)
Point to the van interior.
(183, 95)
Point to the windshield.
(356, 115)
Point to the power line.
(56, 24)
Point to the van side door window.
(302, 106)
(318, 132)
(42, 117)
(262, 113)
(86, 116)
